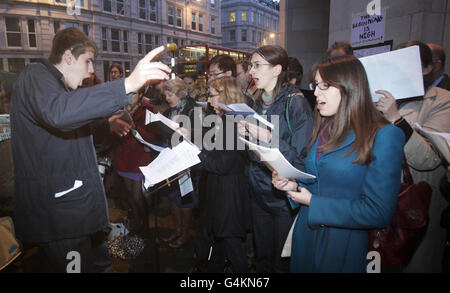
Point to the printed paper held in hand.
(170, 162)
(139, 138)
(275, 160)
(398, 72)
(439, 139)
(244, 110)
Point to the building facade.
(124, 30)
(246, 25)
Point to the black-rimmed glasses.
(323, 86)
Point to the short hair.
(229, 89)
(345, 46)
(70, 39)
(177, 87)
(225, 63)
(118, 66)
(438, 53)
(245, 65)
(295, 70)
(425, 52)
(191, 75)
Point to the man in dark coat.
(60, 202)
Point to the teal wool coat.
(348, 200)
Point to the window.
(105, 39)
(171, 12)
(115, 40)
(148, 43)
(156, 40)
(153, 10)
(260, 19)
(107, 5)
(125, 41)
(244, 15)
(232, 35)
(142, 9)
(200, 22)
(244, 35)
(16, 64)
(194, 21)
(106, 70)
(86, 29)
(1, 64)
(232, 16)
(259, 37)
(253, 36)
(13, 35)
(71, 24)
(31, 34)
(178, 17)
(213, 25)
(253, 17)
(56, 26)
(213, 3)
(120, 8)
(140, 43)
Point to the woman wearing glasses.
(356, 156)
(276, 98)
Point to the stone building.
(124, 30)
(247, 25)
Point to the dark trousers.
(235, 253)
(61, 256)
(269, 235)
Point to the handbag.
(397, 243)
(10, 248)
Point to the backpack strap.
(288, 105)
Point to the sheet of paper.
(399, 72)
(439, 139)
(245, 109)
(185, 184)
(275, 160)
(170, 162)
(141, 140)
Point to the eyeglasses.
(323, 86)
(214, 74)
(256, 66)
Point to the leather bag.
(397, 243)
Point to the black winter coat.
(52, 149)
(292, 144)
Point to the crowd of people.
(64, 118)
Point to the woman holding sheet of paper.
(432, 113)
(278, 100)
(356, 156)
(227, 200)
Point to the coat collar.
(348, 141)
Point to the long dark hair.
(356, 110)
(275, 55)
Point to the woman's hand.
(302, 197)
(283, 184)
(388, 105)
(249, 129)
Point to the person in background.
(227, 199)
(115, 72)
(441, 79)
(220, 66)
(431, 112)
(295, 72)
(340, 48)
(245, 81)
(195, 90)
(176, 95)
(356, 156)
(271, 214)
(59, 200)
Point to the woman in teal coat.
(356, 156)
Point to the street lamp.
(273, 37)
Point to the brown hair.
(356, 110)
(275, 55)
(177, 87)
(229, 90)
(70, 39)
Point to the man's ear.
(427, 69)
(67, 57)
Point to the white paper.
(185, 184)
(244, 108)
(170, 162)
(398, 72)
(440, 140)
(137, 135)
(77, 184)
(276, 161)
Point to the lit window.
(244, 15)
(232, 16)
